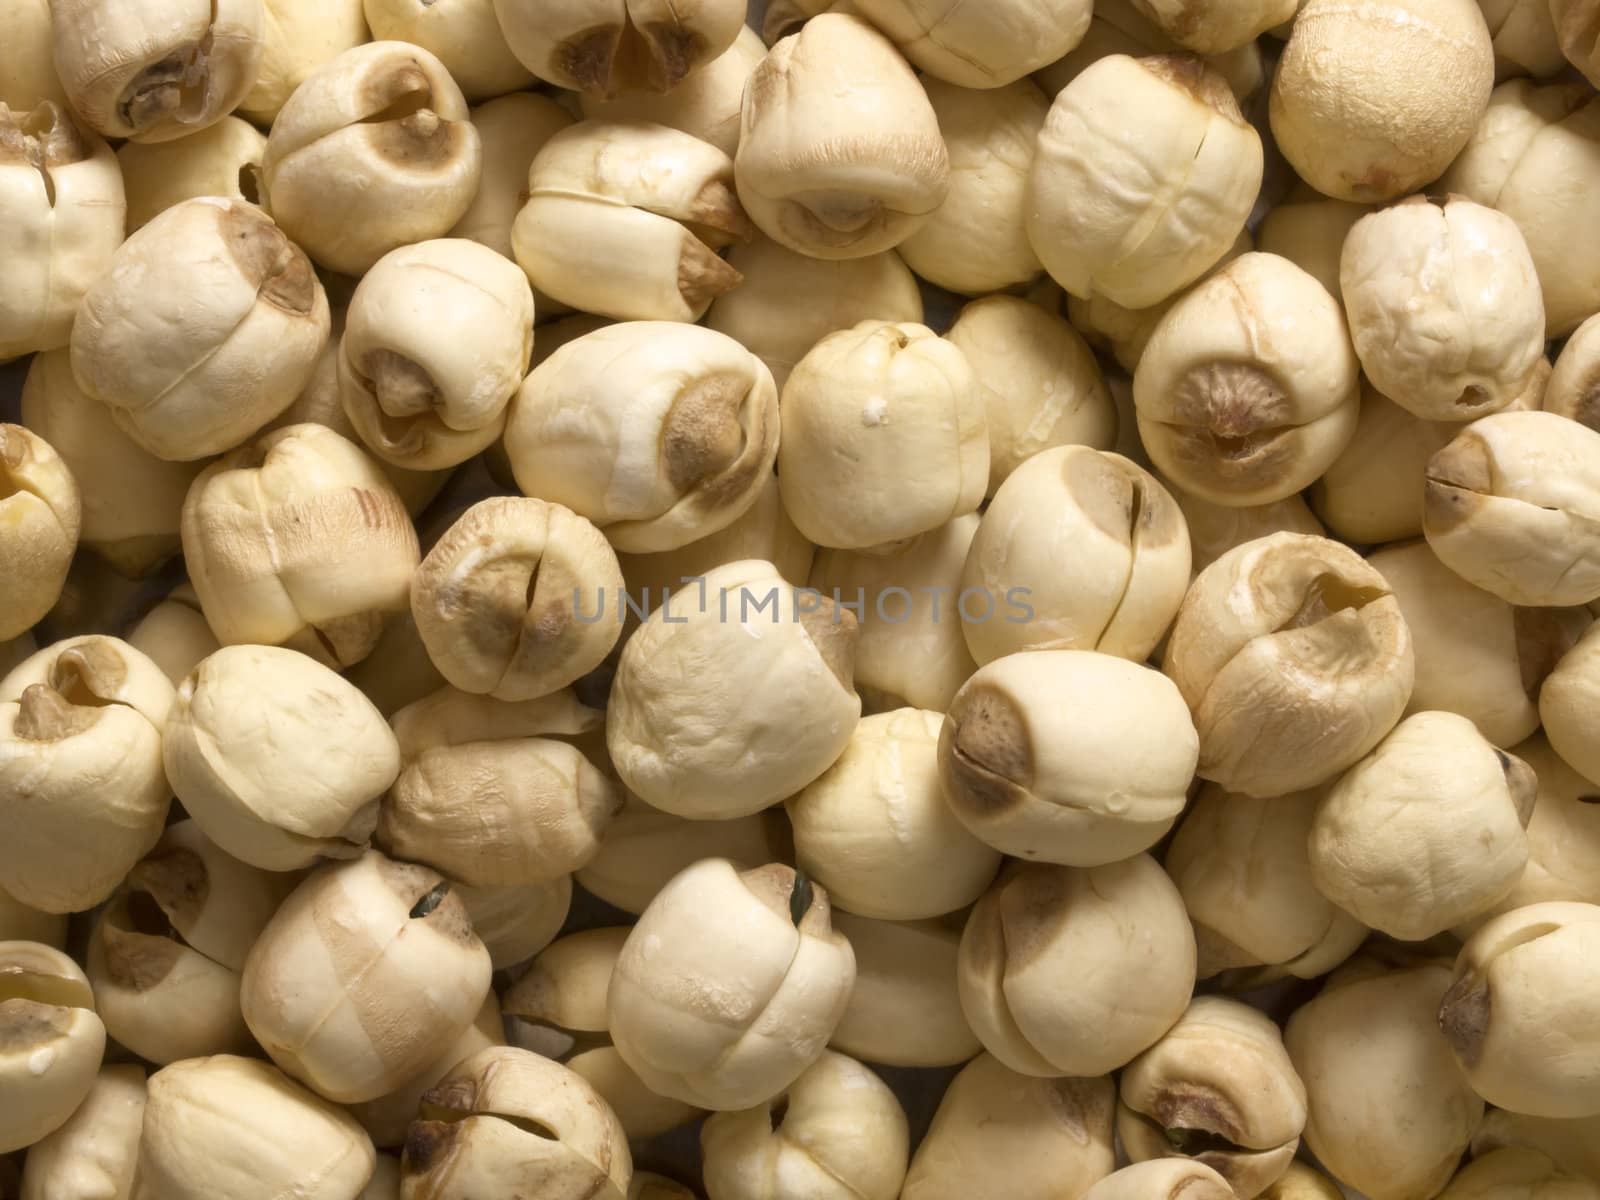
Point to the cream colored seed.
(41, 516)
(506, 1117)
(705, 582)
(388, 1118)
(834, 197)
(436, 342)
(206, 326)
(81, 726)
(1022, 940)
(153, 72)
(62, 205)
(278, 811)
(1295, 660)
(625, 221)
(604, 47)
(884, 436)
(795, 969)
(373, 151)
(1363, 1044)
(1372, 101)
(837, 1124)
(495, 794)
(1000, 1133)
(166, 954)
(256, 1110)
(362, 975)
(52, 1045)
(658, 432)
(1392, 843)
(902, 965)
(1174, 207)
(265, 577)
(729, 756)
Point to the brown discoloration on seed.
(986, 752)
(376, 509)
(451, 920)
(44, 715)
(1465, 463)
(93, 670)
(281, 273)
(1233, 462)
(774, 886)
(1457, 479)
(455, 1095)
(137, 962)
(1586, 409)
(1376, 186)
(547, 616)
(293, 284)
(717, 207)
(178, 881)
(1544, 635)
(411, 883)
(674, 51)
(403, 388)
(1231, 400)
(588, 58)
(533, 997)
(1159, 521)
(427, 1143)
(42, 139)
(1034, 904)
(702, 274)
(341, 641)
(1231, 422)
(408, 881)
(1078, 1105)
(832, 628)
(1523, 785)
(403, 128)
(157, 91)
(394, 89)
(1186, 21)
(1189, 74)
(739, 480)
(702, 434)
(304, 529)
(1183, 1105)
(832, 218)
(1105, 492)
(548, 622)
(355, 935)
(16, 447)
(515, 604)
(1464, 1016)
(1445, 507)
(29, 1025)
(422, 143)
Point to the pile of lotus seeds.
(842, 600)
